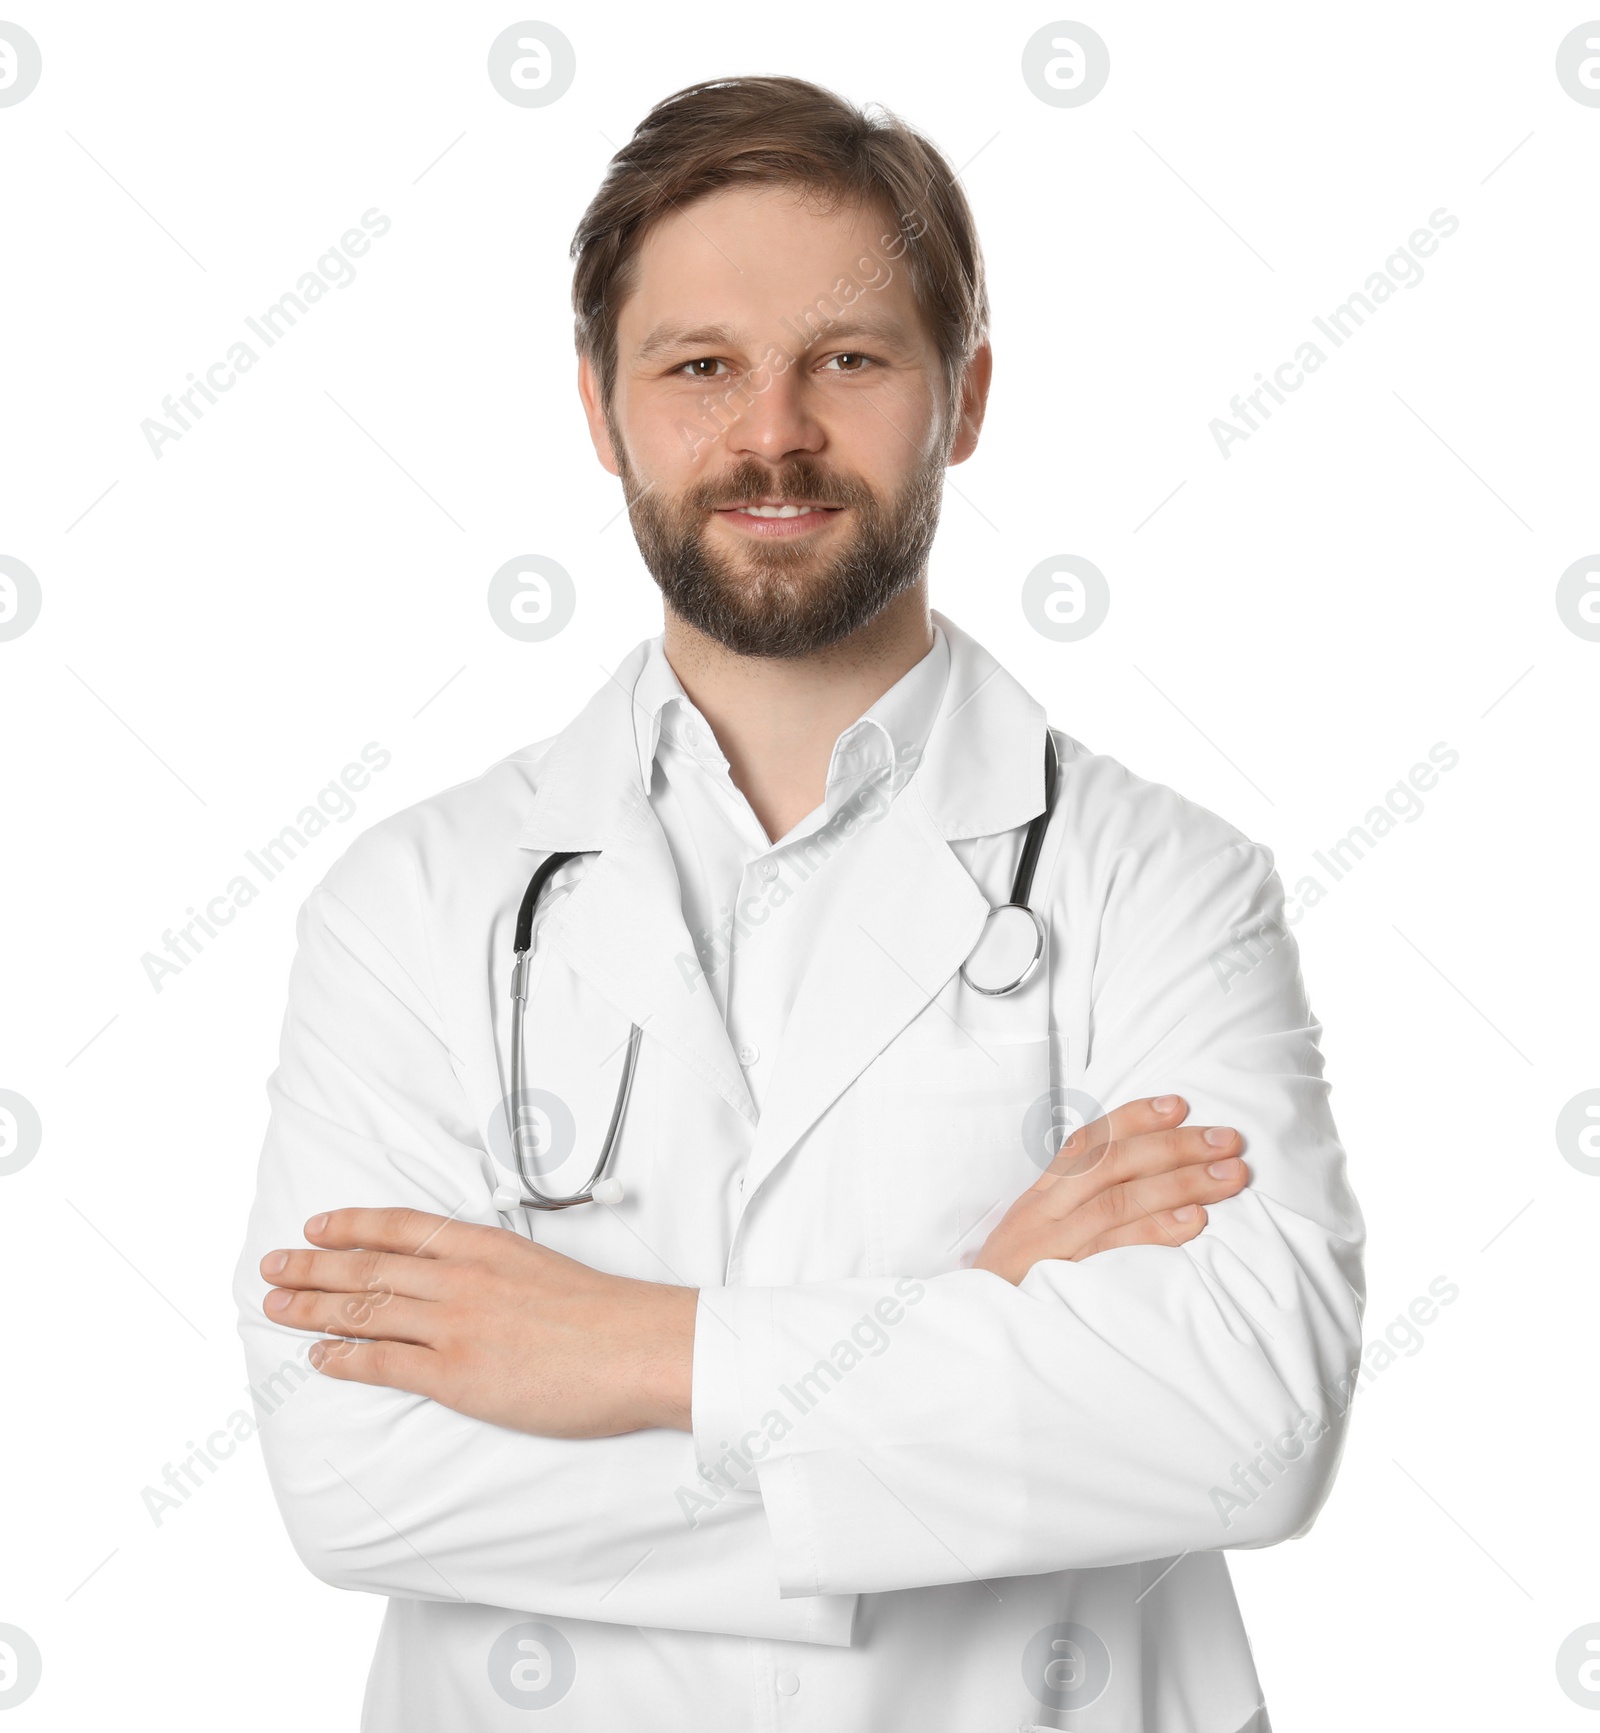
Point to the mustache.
(750, 483)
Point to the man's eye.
(705, 368)
(850, 362)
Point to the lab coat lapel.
(912, 912)
(622, 928)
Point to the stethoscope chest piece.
(1012, 941)
(1007, 952)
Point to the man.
(863, 1408)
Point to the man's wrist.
(667, 1379)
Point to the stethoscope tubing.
(522, 942)
(1033, 842)
(1021, 891)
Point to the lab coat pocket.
(946, 1121)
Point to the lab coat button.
(787, 1684)
(769, 869)
(749, 1053)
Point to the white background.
(305, 571)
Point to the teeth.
(775, 510)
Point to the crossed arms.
(506, 1330)
(496, 1422)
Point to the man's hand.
(488, 1323)
(1137, 1176)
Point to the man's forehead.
(732, 262)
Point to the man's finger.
(399, 1365)
(1145, 1153)
(1155, 1153)
(413, 1231)
(1161, 1229)
(385, 1317)
(1151, 1113)
(358, 1272)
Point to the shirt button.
(769, 869)
(787, 1684)
(749, 1053)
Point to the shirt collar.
(982, 769)
(890, 737)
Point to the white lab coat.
(957, 1503)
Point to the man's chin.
(777, 601)
(823, 553)
(766, 589)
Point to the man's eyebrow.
(800, 333)
(668, 337)
(874, 330)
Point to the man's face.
(779, 419)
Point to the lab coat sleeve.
(390, 1492)
(1138, 1404)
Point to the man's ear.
(974, 400)
(589, 392)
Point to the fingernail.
(316, 1355)
(1164, 1103)
(1218, 1135)
(278, 1299)
(273, 1262)
(1185, 1213)
(316, 1224)
(1224, 1169)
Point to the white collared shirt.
(748, 901)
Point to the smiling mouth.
(777, 519)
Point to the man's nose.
(774, 417)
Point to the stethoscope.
(1006, 955)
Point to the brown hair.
(781, 131)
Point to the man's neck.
(776, 720)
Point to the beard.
(784, 599)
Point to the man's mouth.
(778, 517)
